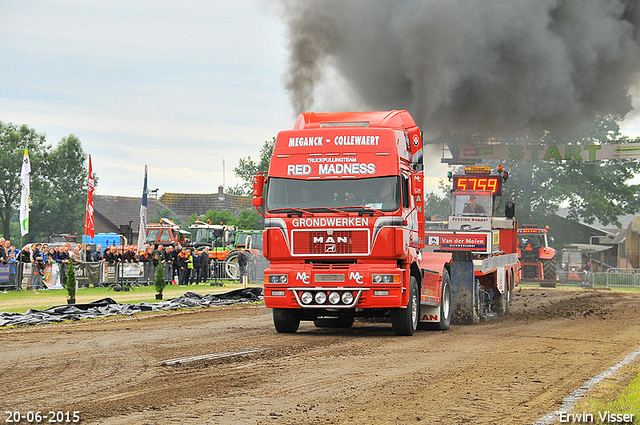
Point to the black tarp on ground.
(108, 307)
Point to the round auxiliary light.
(321, 297)
(306, 297)
(347, 297)
(283, 278)
(377, 278)
(334, 297)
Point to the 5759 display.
(490, 183)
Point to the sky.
(178, 86)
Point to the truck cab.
(343, 220)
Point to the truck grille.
(336, 242)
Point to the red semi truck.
(344, 229)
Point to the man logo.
(434, 240)
(330, 249)
(303, 277)
(356, 276)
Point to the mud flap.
(462, 288)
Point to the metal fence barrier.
(612, 278)
(19, 276)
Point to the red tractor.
(538, 259)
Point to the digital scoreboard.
(492, 184)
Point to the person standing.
(188, 266)
(169, 257)
(195, 273)
(4, 257)
(242, 262)
(75, 255)
(181, 264)
(88, 255)
(205, 260)
(37, 270)
(97, 256)
(83, 253)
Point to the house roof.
(625, 220)
(186, 204)
(119, 210)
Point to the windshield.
(574, 257)
(381, 193)
(152, 235)
(533, 239)
(469, 203)
(243, 240)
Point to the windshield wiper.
(324, 209)
(362, 210)
(289, 211)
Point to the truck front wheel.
(404, 321)
(286, 320)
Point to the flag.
(89, 229)
(142, 232)
(24, 200)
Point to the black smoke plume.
(485, 66)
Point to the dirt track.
(511, 370)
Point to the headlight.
(334, 297)
(276, 278)
(306, 297)
(347, 297)
(321, 297)
(385, 278)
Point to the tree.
(58, 182)
(13, 141)
(436, 205)
(247, 168)
(250, 219)
(591, 191)
(165, 213)
(63, 198)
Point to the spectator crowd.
(184, 266)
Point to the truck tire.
(404, 321)
(445, 307)
(341, 322)
(549, 268)
(286, 320)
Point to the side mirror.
(510, 209)
(258, 184)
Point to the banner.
(4, 273)
(24, 200)
(89, 229)
(548, 152)
(142, 231)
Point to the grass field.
(21, 301)
(616, 396)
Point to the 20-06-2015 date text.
(36, 417)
